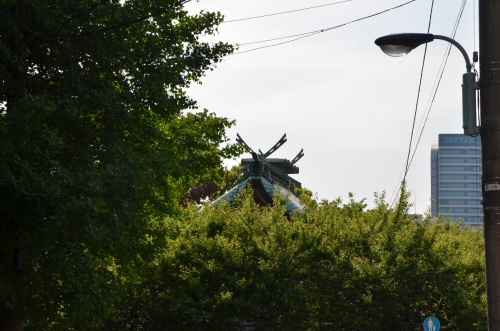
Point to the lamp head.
(402, 43)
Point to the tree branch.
(65, 23)
(121, 25)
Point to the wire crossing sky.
(286, 12)
(431, 100)
(312, 33)
(350, 106)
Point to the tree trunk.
(11, 323)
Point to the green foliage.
(96, 146)
(230, 178)
(97, 149)
(334, 266)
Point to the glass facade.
(456, 178)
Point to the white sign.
(492, 187)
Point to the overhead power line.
(312, 33)
(408, 162)
(277, 38)
(433, 96)
(440, 75)
(285, 12)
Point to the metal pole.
(460, 48)
(489, 60)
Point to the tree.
(334, 266)
(96, 146)
(199, 193)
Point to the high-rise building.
(456, 178)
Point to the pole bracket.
(488, 82)
(491, 127)
(493, 200)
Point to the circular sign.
(431, 324)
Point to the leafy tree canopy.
(334, 266)
(96, 145)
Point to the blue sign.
(431, 324)
(458, 139)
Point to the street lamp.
(402, 43)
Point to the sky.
(336, 94)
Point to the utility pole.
(489, 85)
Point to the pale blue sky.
(336, 94)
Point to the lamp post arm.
(462, 50)
(468, 92)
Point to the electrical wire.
(438, 79)
(408, 156)
(444, 62)
(273, 39)
(478, 100)
(435, 88)
(312, 33)
(285, 12)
